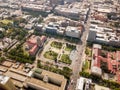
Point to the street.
(78, 64)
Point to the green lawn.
(88, 51)
(86, 65)
(56, 44)
(5, 21)
(65, 59)
(70, 47)
(51, 55)
(25, 52)
(2, 59)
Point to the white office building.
(73, 32)
(83, 83)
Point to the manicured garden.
(56, 44)
(65, 59)
(86, 65)
(70, 47)
(107, 83)
(88, 51)
(51, 55)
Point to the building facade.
(6, 83)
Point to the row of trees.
(56, 44)
(88, 51)
(70, 47)
(2, 59)
(19, 55)
(66, 72)
(105, 47)
(13, 30)
(72, 40)
(18, 33)
(100, 81)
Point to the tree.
(117, 24)
(87, 51)
(109, 16)
(2, 59)
(40, 20)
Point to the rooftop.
(3, 79)
(83, 81)
(72, 29)
(112, 59)
(97, 87)
(47, 85)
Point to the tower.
(39, 43)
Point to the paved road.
(78, 64)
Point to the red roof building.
(33, 50)
(99, 16)
(34, 43)
(112, 60)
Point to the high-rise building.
(6, 83)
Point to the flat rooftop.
(15, 76)
(97, 87)
(17, 83)
(3, 79)
(46, 85)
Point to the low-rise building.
(73, 32)
(34, 43)
(6, 43)
(97, 87)
(27, 17)
(6, 83)
(36, 7)
(83, 84)
(2, 30)
(99, 16)
(73, 11)
(56, 28)
(51, 29)
(39, 27)
(111, 61)
(95, 64)
(45, 80)
(103, 35)
(29, 26)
